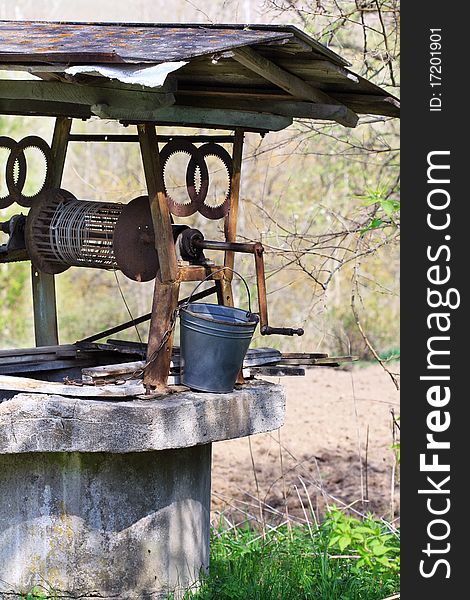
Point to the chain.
(165, 338)
(155, 353)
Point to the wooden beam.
(44, 108)
(203, 117)
(164, 243)
(84, 95)
(322, 71)
(108, 102)
(287, 108)
(287, 81)
(60, 139)
(251, 93)
(230, 224)
(197, 273)
(372, 104)
(44, 308)
(160, 340)
(175, 115)
(26, 384)
(165, 297)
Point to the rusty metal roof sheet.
(50, 42)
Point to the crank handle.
(267, 330)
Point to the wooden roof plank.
(322, 71)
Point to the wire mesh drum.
(63, 231)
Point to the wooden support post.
(166, 291)
(43, 284)
(164, 243)
(165, 301)
(230, 224)
(44, 308)
(224, 287)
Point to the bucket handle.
(214, 273)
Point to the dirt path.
(336, 421)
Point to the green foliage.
(377, 548)
(15, 302)
(384, 207)
(344, 559)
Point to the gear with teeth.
(19, 169)
(17, 156)
(177, 208)
(219, 211)
(197, 165)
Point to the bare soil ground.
(335, 447)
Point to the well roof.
(273, 72)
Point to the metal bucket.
(214, 340)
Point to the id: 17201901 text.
(435, 69)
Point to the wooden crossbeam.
(287, 108)
(84, 95)
(194, 116)
(218, 118)
(290, 83)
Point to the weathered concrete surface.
(43, 423)
(121, 526)
(111, 499)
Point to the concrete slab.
(44, 423)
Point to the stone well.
(111, 499)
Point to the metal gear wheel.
(17, 156)
(177, 208)
(10, 144)
(221, 210)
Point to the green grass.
(344, 559)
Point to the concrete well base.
(106, 525)
(103, 499)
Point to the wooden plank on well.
(28, 385)
(165, 298)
